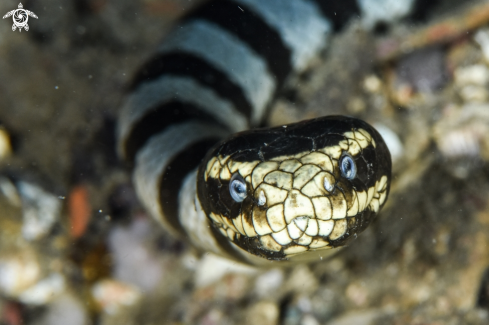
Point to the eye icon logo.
(20, 17)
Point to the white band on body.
(230, 55)
(300, 23)
(186, 90)
(155, 156)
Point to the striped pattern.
(237, 60)
(215, 74)
(159, 157)
(291, 19)
(199, 101)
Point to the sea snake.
(289, 193)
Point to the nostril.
(328, 182)
(262, 199)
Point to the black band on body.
(186, 64)
(172, 179)
(159, 118)
(252, 30)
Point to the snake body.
(292, 192)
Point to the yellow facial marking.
(279, 179)
(319, 243)
(344, 145)
(248, 227)
(370, 193)
(382, 198)
(379, 194)
(339, 229)
(275, 217)
(296, 156)
(260, 222)
(208, 167)
(323, 208)
(374, 205)
(367, 136)
(293, 250)
(290, 166)
(294, 231)
(333, 151)
(223, 160)
(354, 147)
(217, 218)
(225, 174)
(304, 174)
(312, 228)
(356, 141)
(269, 243)
(304, 240)
(282, 237)
(338, 202)
(354, 205)
(273, 194)
(231, 233)
(361, 139)
(325, 227)
(214, 169)
(318, 159)
(315, 187)
(301, 223)
(297, 205)
(362, 200)
(261, 170)
(382, 184)
(228, 223)
(238, 224)
(244, 168)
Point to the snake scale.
(203, 169)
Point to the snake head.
(296, 189)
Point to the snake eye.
(237, 188)
(348, 167)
